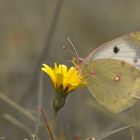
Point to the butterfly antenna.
(66, 48)
(72, 45)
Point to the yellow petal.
(50, 72)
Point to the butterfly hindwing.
(113, 84)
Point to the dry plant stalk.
(46, 123)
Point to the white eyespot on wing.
(118, 50)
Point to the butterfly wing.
(113, 72)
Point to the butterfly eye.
(116, 49)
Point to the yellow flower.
(61, 76)
(64, 81)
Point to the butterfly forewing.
(125, 48)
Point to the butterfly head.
(78, 62)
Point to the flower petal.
(50, 72)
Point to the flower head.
(64, 81)
(64, 78)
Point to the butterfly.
(112, 72)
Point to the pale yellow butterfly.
(113, 72)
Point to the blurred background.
(33, 32)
